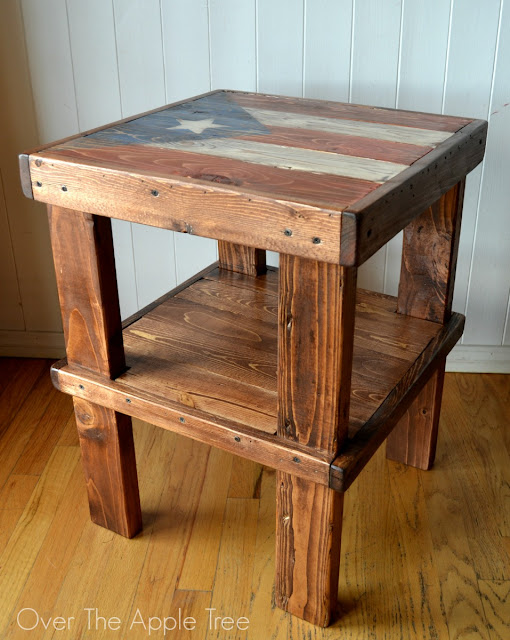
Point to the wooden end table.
(294, 369)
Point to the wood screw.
(316, 240)
(38, 184)
(128, 400)
(296, 459)
(288, 232)
(237, 438)
(64, 188)
(155, 193)
(182, 420)
(80, 386)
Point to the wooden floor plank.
(182, 486)
(26, 540)
(201, 558)
(13, 500)
(416, 546)
(232, 585)
(496, 602)
(18, 383)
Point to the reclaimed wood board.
(310, 178)
(208, 355)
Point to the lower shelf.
(203, 363)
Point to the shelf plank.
(208, 356)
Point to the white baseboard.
(469, 358)
(463, 358)
(32, 344)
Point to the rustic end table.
(292, 368)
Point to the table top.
(332, 181)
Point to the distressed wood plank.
(360, 147)
(85, 268)
(427, 278)
(241, 259)
(364, 113)
(389, 132)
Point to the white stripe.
(389, 132)
(281, 157)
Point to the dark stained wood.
(413, 441)
(184, 361)
(359, 449)
(85, 268)
(399, 152)
(315, 341)
(241, 259)
(429, 259)
(387, 210)
(364, 113)
(242, 440)
(108, 456)
(323, 190)
(427, 278)
(308, 532)
(315, 348)
(211, 210)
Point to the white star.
(197, 126)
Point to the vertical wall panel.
(142, 87)
(467, 92)
(51, 69)
(186, 47)
(140, 55)
(18, 130)
(233, 46)
(96, 79)
(424, 45)
(375, 58)
(280, 46)
(192, 254)
(153, 277)
(328, 27)
(490, 281)
(11, 311)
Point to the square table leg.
(427, 279)
(315, 341)
(85, 268)
(241, 259)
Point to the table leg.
(85, 268)
(316, 327)
(427, 279)
(242, 259)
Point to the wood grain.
(308, 530)
(427, 278)
(398, 152)
(315, 346)
(85, 267)
(387, 590)
(363, 113)
(429, 259)
(107, 450)
(241, 259)
(315, 351)
(390, 208)
(413, 440)
(189, 206)
(358, 450)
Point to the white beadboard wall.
(70, 65)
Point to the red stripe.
(339, 143)
(321, 190)
(325, 109)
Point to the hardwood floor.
(424, 554)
